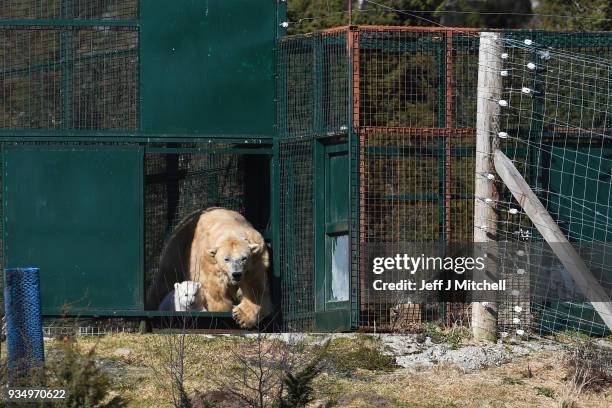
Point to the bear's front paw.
(245, 316)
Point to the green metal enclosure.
(119, 119)
(403, 102)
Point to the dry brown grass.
(438, 387)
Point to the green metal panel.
(579, 178)
(208, 66)
(76, 213)
(337, 185)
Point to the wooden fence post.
(484, 316)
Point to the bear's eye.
(244, 258)
(227, 259)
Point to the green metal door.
(332, 280)
(75, 212)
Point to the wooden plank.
(484, 316)
(553, 235)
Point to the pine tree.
(299, 385)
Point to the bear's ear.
(212, 251)
(254, 248)
(176, 286)
(198, 285)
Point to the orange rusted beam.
(334, 30)
(447, 141)
(412, 131)
(574, 130)
(419, 29)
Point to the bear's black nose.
(237, 275)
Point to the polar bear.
(182, 298)
(230, 260)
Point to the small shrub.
(585, 367)
(456, 335)
(528, 373)
(512, 381)
(78, 373)
(545, 391)
(568, 403)
(299, 385)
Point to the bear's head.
(232, 254)
(186, 292)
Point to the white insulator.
(515, 292)
(545, 55)
(526, 90)
(520, 271)
(503, 102)
(518, 309)
(520, 252)
(491, 176)
(503, 334)
(284, 24)
(503, 135)
(488, 200)
(516, 320)
(343, 127)
(513, 211)
(504, 55)
(528, 42)
(531, 65)
(520, 332)
(504, 73)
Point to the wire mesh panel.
(69, 9)
(297, 237)
(407, 98)
(313, 85)
(416, 130)
(313, 94)
(66, 73)
(556, 131)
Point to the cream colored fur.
(220, 235)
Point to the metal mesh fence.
(313, 94)
(297, 255)
(410, 110)
(416, 129)
(313, 85)
(65, 73)
(69, 9)
(408, 99)
(556, 131)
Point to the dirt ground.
(362, 372)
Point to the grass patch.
(545, 391)
(512, 381)
(455, 336)
(570, 337)
(346, 357)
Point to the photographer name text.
(440, 285)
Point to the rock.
(123, 352)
